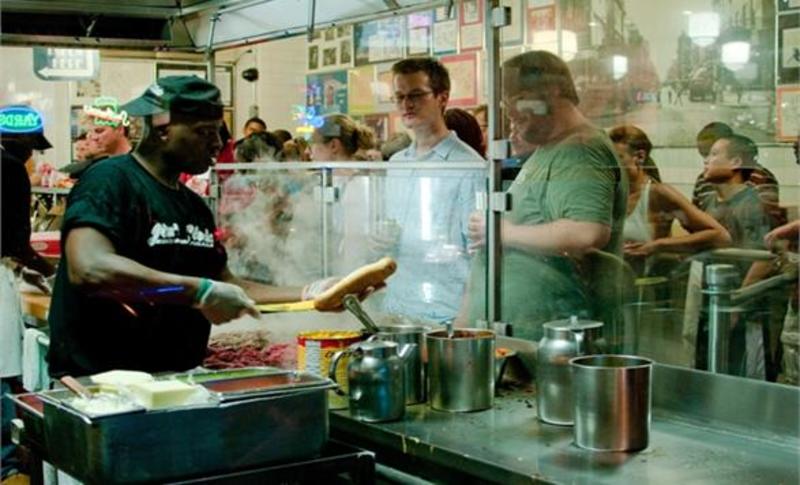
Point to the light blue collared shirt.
(432, 208)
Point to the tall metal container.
(415, 374)
(563, 340)
(461, 369)
(612, 402)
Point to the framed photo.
(330, 34)
(513, 34)
(313, 57)
(471, 25)
(360, 85)
(788, 5)
(463, 70)
(346, 52)
(344, 31)
(445, 37)
(787, 101)
(379, 40)
(788, 65)
(440, 14)
(329, 57)
(419, 33)
(540, 19)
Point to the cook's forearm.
(262, 293)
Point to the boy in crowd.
(739, 208)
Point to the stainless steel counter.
(509, 445)
(706, 429)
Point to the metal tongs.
(352, 305)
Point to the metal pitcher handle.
(578, 335)
(332, 370)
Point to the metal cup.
(461, 370)
(612, 402)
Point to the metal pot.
(563, 340)
(461, 369)
(612, 402)
(375, 376)
(414, 365)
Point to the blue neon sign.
(20, 120)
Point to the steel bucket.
(612, 402)
(461, 370)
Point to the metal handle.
(352, 305)
(332, 370)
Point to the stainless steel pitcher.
(415, 367)
(375, 375)
(563, 340)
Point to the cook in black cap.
(21, 132)
(143, 273)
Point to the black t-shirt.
(16, 195)
(164, 229)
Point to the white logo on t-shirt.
(165, 234)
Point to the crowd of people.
(580, 193)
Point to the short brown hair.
(742, 147)
(536, 70)
(632, 136)
(437, 74)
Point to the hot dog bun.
(371, 275)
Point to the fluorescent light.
(704, 28)
(619, 67)
(735, 55)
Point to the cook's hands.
(476, 231)
(641, 248)
(225, 302)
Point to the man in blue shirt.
(427, 211)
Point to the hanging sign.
(52, 64)
(20, 119)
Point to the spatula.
(372, 275)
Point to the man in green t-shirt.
(568, 200)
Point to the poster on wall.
(787, 100)
(419, 33)
(463, 70)
(445, 37)
(379, 40)
(471, 25)
(512, 34)
(327, 92)
(383, 87)
(541, 19)
(361, 99)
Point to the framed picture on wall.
(540, 19)
(379, 40)
(787, 100)
(463, 70)
(346, 52)
(313, 57)
(419, 33)
(471, 25)
(513, 34)
(788, 68)
(329, 57)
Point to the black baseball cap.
(188, 95)
(23, 124)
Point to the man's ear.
(737, 162)
(444, 96)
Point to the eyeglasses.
(414, 97)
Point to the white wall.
(281, 84)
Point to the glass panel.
(692, 97)
(420, 218)
(271, 221)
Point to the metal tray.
(160, 445)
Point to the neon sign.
(20, 119)
(307, 118)
(105, 112)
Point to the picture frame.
(787, 102)
(419, 33)
(379, 40)
(313, 57)
(787, 69)
(470, 29)
(445, 37)
(513, 34)
(463, 70)
(329, 56)
(346, 52)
